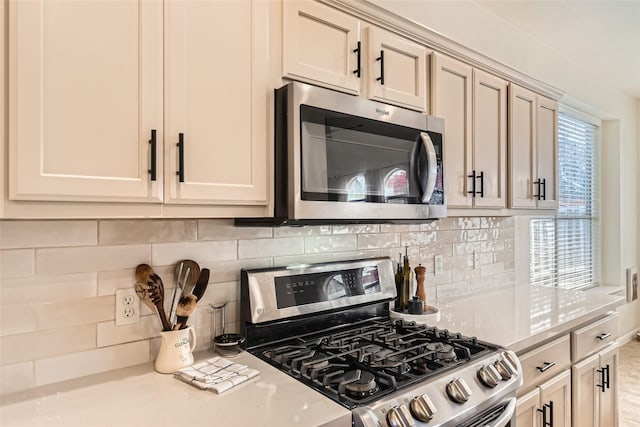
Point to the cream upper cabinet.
(395, 70)
(216, 89)
(533, 151)
(474, 107)
(321, 45)
(594, 382)
(85, 98)
(324, 46)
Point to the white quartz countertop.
(138, 396)
(519, 317)
(515, 317)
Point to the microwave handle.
(430, 169)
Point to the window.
(396, 184)
(356, 189)
(564, 250)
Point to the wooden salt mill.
(420, 290)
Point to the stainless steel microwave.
(344, 159)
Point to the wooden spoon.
(144, 293)
(201, 286)
(194, 273)
(144, 273)
(186, 307)
(157, 296)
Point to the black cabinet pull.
(473, 183)
(481, 176)
(152, 142)
(551, 413)
(545, 422)
(602, 379)
(544, 189)
(606, 382)
(180, 145)
(547, 365)
(537, 183)
(381, 59)
(357, 52)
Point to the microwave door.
(425, 165)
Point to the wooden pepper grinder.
(420, 290)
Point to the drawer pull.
(547, 365)
(603, 336)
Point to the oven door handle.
(507, 415)
(427, 173)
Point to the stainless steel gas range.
(328, 326)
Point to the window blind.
(564, 250)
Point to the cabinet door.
(452, 101)
(584, 396)
(216, 60)
(547, 151)
(527, 414)
(396, 70)
(522, 144)
(320, 44)
(85, 94)
(490, 138)
(557, 391)
(609, 397)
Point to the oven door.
(500, 415)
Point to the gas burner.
(443, 352)
(312, 361)
(358, 384)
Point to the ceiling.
(603, 35)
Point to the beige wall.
(470, 24)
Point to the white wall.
(469, 24)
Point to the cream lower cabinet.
(549, 404)
(474, 107)
(594, 384)
(102, 92)
(327, 47)
(533, 150)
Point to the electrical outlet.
(476, 259)
(127, 307)
(632, 284)
(437, 261)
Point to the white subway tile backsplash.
(90, 258)
(45, 289)
(109, 334)
(42, 344)
(259, 248)
(223, 229)
(171, 253)
(16, 377)
(321, 244)
(17, 263)
(31, 234)
(116, 232)
(58, 290)
(74, 365)
(381, 240)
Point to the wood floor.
(629, 384)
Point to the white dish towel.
(216, 374)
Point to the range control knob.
(505, 368)
(489, 376)
(422, 408)
(458, 390)
(400, 417)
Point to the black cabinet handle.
(473, 183)
(544, 189)
(550, 413)
(602, 379)
(481, 176)
(606, 381)
(537, 183)
(381, 59)
(357, 52)
(153, 143)
(547, 365)
(180, 145)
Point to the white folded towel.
(216, 374)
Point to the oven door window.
(345, 158)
